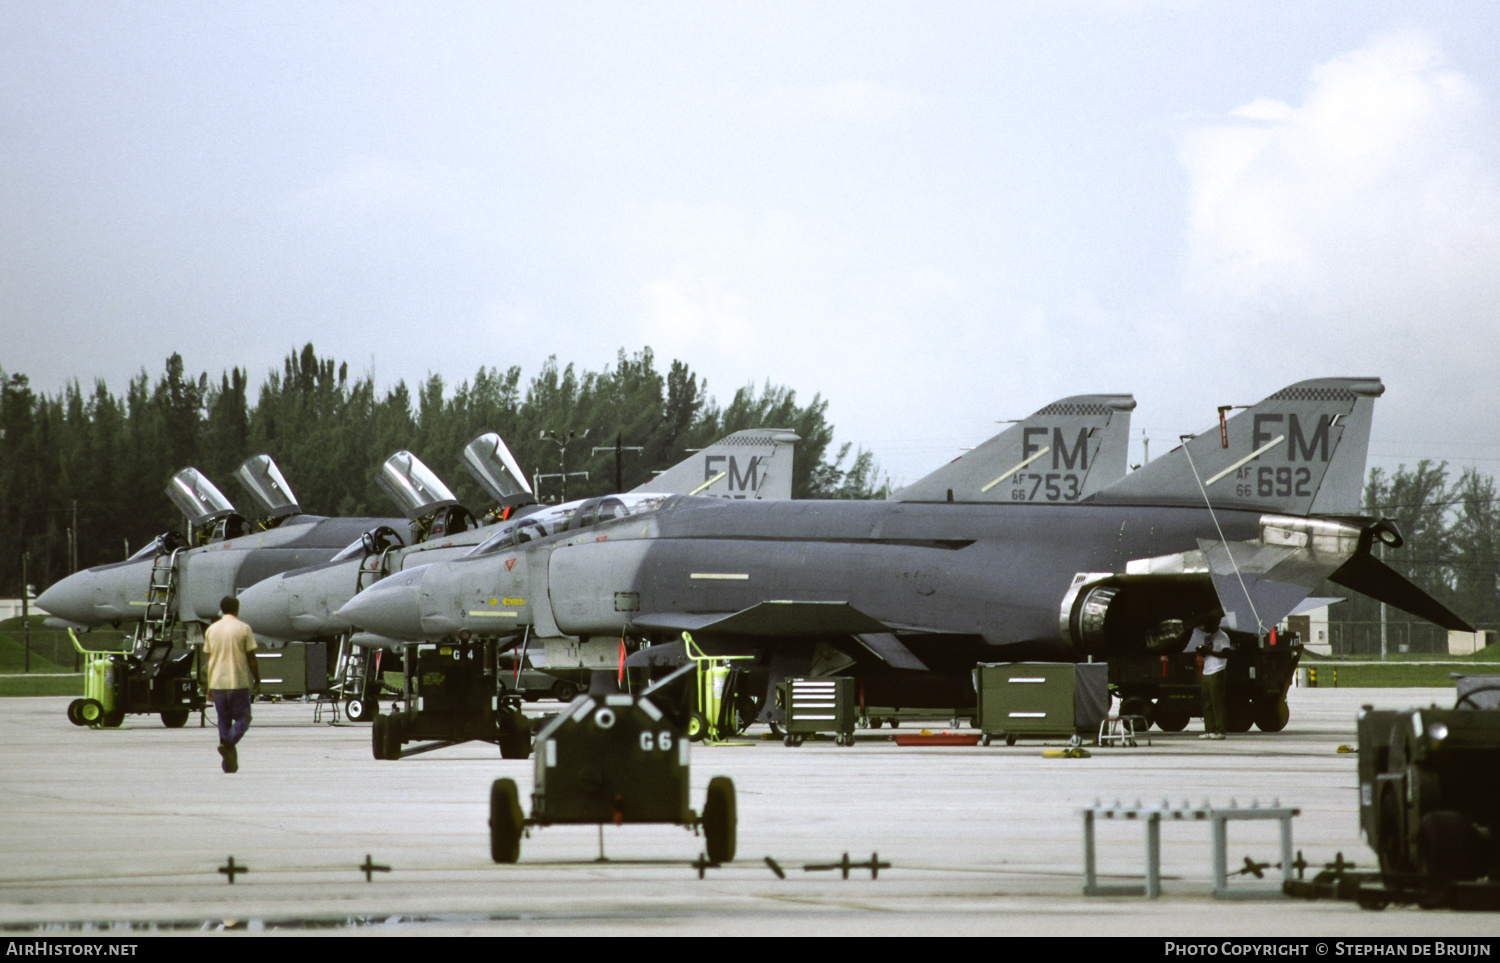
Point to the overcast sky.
(936, 215)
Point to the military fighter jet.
(182, 579)
(1243, 521)
(305, 603)
(1059, 454)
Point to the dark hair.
(229, 605)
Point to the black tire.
(564, 691)
(516, 743)
(395, 735)
(1272, 716)
(1450, 847)
(174, 718)
(791, 740)
(1170, 718)
(90, 712)
(1136, 706)
(361, 710)
(113, 718)
(1010, 738)
(377, 737)
(506, 821)
(1238, 716)
(73, 715)
(1390, 844)
(720, 820)
(697, 727)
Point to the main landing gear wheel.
(506, 821)
(361, 710)
(174, 718)
(720, 820)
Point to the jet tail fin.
(754, 463)
(1299, 452)
(1064, 452)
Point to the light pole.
(562, 442)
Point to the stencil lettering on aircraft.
(1056, 485)
(737, 483)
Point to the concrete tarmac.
(128, 830)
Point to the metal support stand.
(1122, 731)
(1152, 817)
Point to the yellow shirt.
(224, 647)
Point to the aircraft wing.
(781, 619)
(769, 619)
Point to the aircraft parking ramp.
(132, 831)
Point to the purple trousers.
(233, 709)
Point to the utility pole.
(562, 442)
(619, 451)
(1382, 611)
(26, 610)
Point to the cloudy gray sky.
(937, 215)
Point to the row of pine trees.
(83, 475)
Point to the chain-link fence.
(51, 650)
(1402, 636)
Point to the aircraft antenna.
(1220, 529)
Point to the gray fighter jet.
(306, 603)
(1062, 453)
(178, 578)
(1242, 522)
(1059, 454)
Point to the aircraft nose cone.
(391, 607)
(67, 600)
(266, 608)
(108, 593)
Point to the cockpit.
(211, 517)
(163, 544)
(572, 516)
(373, 542)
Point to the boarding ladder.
(160, 595)
(352, 666)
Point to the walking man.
(229, 655)
(1212, 642)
